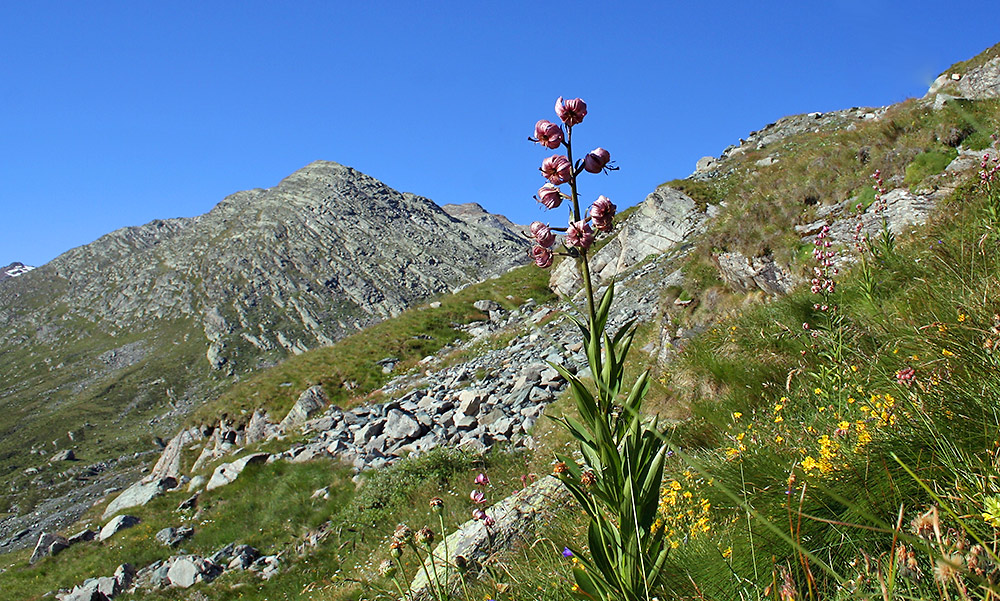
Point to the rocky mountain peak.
(13, 270)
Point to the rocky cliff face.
(664, 220)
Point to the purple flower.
(548, 134)
(572, 111)
(557, 169)
(542, 256)
(579, 235)
(597, 160)
(478, 514)
(544, 236)
(489, 521)
(567, 552)
(602, 213)
(477, 497)
(482, 479)
(550, 196)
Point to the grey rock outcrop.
(514, 517)
(743, 274)
(116, 525)
(186, 570)
(663, 220)
(103, 588)
(48, 544)
(138, 494)
(172, 537)
(310, 402)
(169, 463)
(229, 472)
(975, 84)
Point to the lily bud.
(557, 169)
(548, 134)
(579, 235)
(542, 256)
(544, 236)
(597, 160)
(550, 196)
(572, 111)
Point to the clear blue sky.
(116, 113)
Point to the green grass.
(928, 163)
(772, 406)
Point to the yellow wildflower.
(737, 415)
(727, 553)
(947, 353)
(779, 407)
(961, 316)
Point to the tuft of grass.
(928, 163)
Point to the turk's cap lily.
(579, 235)
(548, 134)
(550, 196)
(557, 169)
(571, 112)
(598, 160)
(544, 237)
(542, 256)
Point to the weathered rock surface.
(515, 517)
(116, 525)
(310, 402)
(169, 463)
(138, 494)
(228, 472)
(977, 83)
(48, 544)
(743, 274)
(664, 219)
(172, 537)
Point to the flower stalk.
(623, 454)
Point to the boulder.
(401, 426)
(82, 536)
(172, 537)
(64, 455)
(260, 428)
(48, 544)
(116, 525)
(516, 517)
(228, 472)
(487, 306)
(743, 274)
(310, 402)
(169, 463)
(140, 493)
